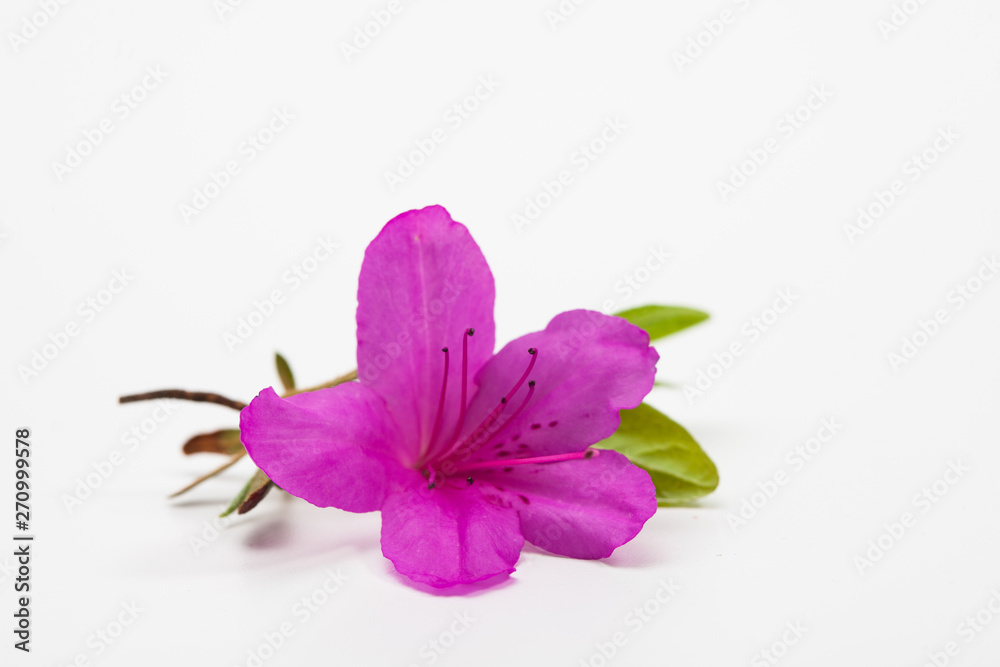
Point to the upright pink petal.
(588, 367)
(423, 283)
(331, 447)
(447, 536)
(584, 508)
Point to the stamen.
(431, 479)
(492, 416)
(465, 364)
(531, 390)
(440, 411)
(479, 465)
(531, 364)
(465, 373)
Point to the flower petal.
(331, 447)
(584, 508)
(447, 536)
(588, 367)
(423, 283)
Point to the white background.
(655, 186)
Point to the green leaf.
(251, 494)
(660, 321)
(284, 372)
(681, 471)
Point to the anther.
(469, 480)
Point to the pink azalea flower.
(467, 454)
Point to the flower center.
(432, 477)
(499, 418)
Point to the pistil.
(504, 463)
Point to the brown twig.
(198, 396)
(224, 466)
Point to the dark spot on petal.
(522, 446)
(553, 423)
(516, 436)
(502, 454)
(535, 427)
(498, 445)
(523, 499)
(507, 469)
(500, 488)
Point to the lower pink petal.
(449, 535)
(584, 508)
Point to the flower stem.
(218, 399)
(198, 396)
(224, 466)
